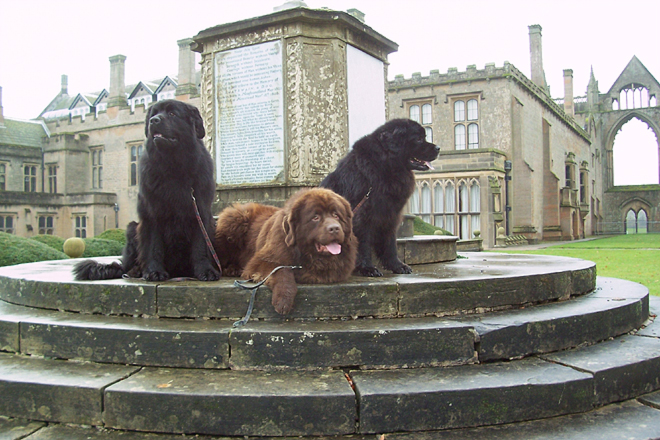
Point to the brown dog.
(313, 230)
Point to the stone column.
(186, 79)
(568, 93)
(116, 94)
(536, 54)
(276, 94)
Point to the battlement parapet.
(489, 72)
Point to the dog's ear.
(197, 122)
(146, 121)
(289, 233)
(391, 139)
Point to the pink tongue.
(334, 248)
(428, 164)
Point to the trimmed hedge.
(18, 250)
(50, 240)
(420, 227)
(99, 247)
(114, 234)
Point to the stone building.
(514, 158)
(73, 171)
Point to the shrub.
(114, 234)
(420, 227)
(99, 247)
(17, 250)
(50, 240)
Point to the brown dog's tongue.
(334, 248)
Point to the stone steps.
(292, 403)
(631, 420)
(616, 307)
(485, 344)
(338, 402)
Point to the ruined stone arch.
(635, 215)
(651, 117)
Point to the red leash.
(201, 225)
(364, 199)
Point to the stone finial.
(357, 14)
(291, 4)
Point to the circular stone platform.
(474, 282)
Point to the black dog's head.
(406, 140)
(170, 121)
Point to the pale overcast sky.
(42, 39)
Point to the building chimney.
(538, 75)
(186, 80)
(65, 85)
(2, 115)
(116, 95)
(569, 109)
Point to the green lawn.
(630, 257)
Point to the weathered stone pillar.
(536, 55)
(186, 79)
(284, 96)
(568, 93)
(116, 94)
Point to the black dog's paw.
(208, 274)
(368, 271)
(402, 268)
(156, 275)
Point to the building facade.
(513, 160)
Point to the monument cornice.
(318, 18)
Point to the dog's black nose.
(154, 120)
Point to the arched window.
(414, 201)
(459, 137)
(459, 111)
(466, 135)
(426, 114)
(642, 222)
(450, 206)
(472, 111)
(475, 207)
(473, 136)
(429, 134)
(631, 222)
(414, 113)
(439, 203)
(426, 210)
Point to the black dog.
(168, 241)
(381, 164)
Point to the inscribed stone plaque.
(249, 114)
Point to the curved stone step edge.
(611, 422)
(263, 345)
(484, 280)
(615, 308)
(498, 392)
(56, 391)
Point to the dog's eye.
(316, 218)
(335, 214)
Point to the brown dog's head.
(318, 222)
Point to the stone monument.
(285, 95)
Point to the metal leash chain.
(242, 285)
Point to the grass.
(629, 257)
